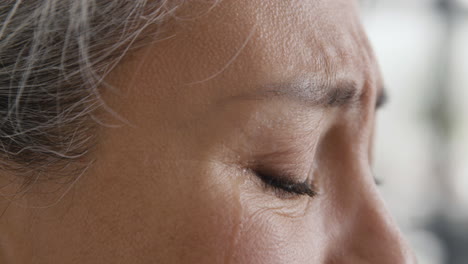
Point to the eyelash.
(378, 181)
(284, 188)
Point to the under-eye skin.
(283, 186)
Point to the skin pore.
(247, 95)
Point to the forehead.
(281, 40)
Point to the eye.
(382, 99)
(377, 180)
(283, 186)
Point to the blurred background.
(422, 133)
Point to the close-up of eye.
(377, 180)
(283, 186)
(382, 99)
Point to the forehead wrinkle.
(316, 93)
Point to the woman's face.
(249, 141)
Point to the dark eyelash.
(284, 187)
(378, 181)
(382, 100)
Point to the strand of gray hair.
(54, 54)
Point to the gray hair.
(53, 56)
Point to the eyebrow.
(338, 94)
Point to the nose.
(376, 239)
(371, 235)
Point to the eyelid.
(285, 184)
(382, 99)
(378, 181)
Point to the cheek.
(231, 222)
(261, 240)
(201, 227)
(206, 231)
(218, 217)
(272, 231)
(266, 238)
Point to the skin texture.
(176, 186)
